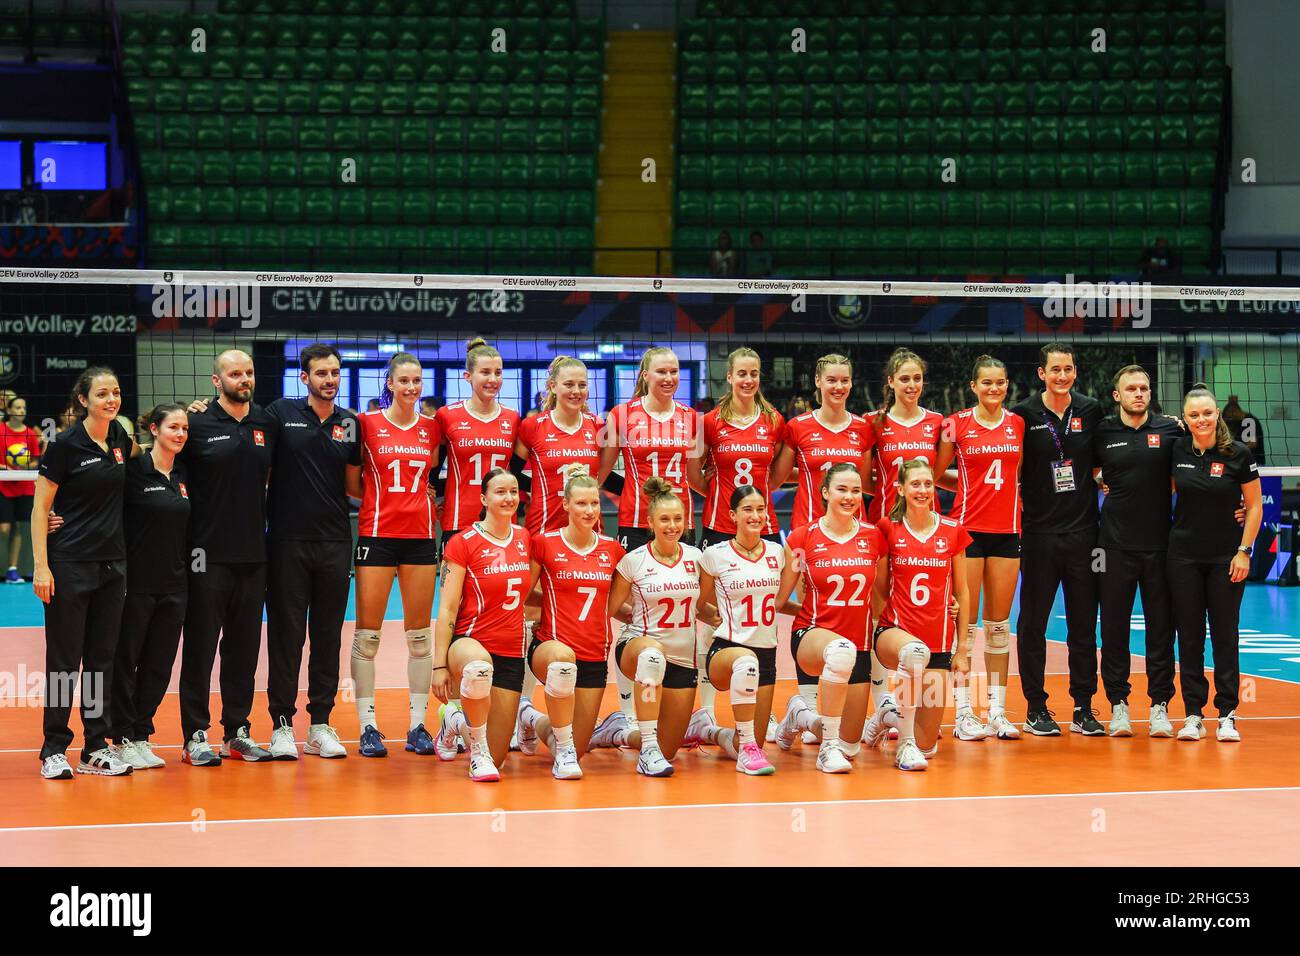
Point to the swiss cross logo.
(505, 425)
(1216, 469)
(927, 430)
(520, 546)
(117, 453)
(1011, 432)
(1076, 424)
(338, 432)
(853, 437)
(864, 545)
(761, 431)
(602, 557)
(259, 437)
(1153, 441)
(771, 561)
(940, 545)
(424, 435)
(690, 567)
(184, 491)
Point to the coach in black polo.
(310, 535)
(228, 456)
(1060, 522)
(1134, 448)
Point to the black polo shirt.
(227, 462)
(89, 497)
(1134, 465)
(308, 499)
(1208, 487)
(1045, 509)
(157, 517)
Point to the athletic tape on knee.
(365, 644)
(997, 637)
(650, 667)
(561, 678)
(476, 680)
(839, 657)
(912, 658)
(744, 680)
(419, 643)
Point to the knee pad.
(997, 637)
(476, 680)
(839, 657)
(419, 643)
(650, 667)
(744, 679)
(561, 678)
(912, 658)
(365, 645)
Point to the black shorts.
(938, 661)
(590, 673)
(861, 666)
(710, 536)
(390, 552)
(633, 538)
(507, 672)
(18, 508)
(676, 677)
(988, 544)
(766, 659)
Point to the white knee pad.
(839, 657)
(476, 680)
(419, 643)
(912, 658)
(365, 644)
(997, 637)
(561, 678)
(744, 679)
(650, 667)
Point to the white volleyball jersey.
(745, 591)
(664, 600)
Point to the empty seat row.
(894, 8)
(406, 8)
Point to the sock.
(478, 735)
(997, 699)
(727, 740)
(625, 686)
(530, 684)
(710, 734)
(366, 711)
(962, 694)
(830, 729)
(563, 736)
(649, 733)
(745, 731)
(456, 722)
(879, 681)
(907, 726)
(809, 693)
(419, 707)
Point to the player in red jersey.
(904, 430)
(987, 441)
(916, 634)
(834, 559)
(570, 652)
(478, 642)
(395, 538)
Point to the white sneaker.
(810, 739)
(1160, 725)
(481, 767)
(969, 727)
(56, 767)
(1228, 732)
(1120, 725)
(609, 730)
(323, 741)
(909, 756)
(1002, 728)
(104, 763)
(566, 764)
(514, 737)
(701, 724)
(789, 726)
(850, 750)
(127, 753)
(652, 763)
(447, 744)
(525, 739)
(282, 742)
(1193, 728)
(885, 717)
(830, 759)
(771, 728)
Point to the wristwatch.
(1246, 549)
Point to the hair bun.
(655, 485)
(1200, 385)
(474, 343)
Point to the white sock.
(907, 726)
(830, 728)
(649, 733)
(478, 735)
(745, 731)
(727, 739)
(366, 711)
(563, 736)
(997, 699)
(419, 707)
(879, 681)
(625, 686)
(530, 684)
(962, 694)
(809, 693)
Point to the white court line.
(656, 807)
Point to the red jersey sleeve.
(456, 552)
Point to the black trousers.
(146, 651)
(1203, 589)
(1049, 561)
(225, 602)
(1126, 572)
(82, 624)
(306, 594)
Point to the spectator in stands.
(1160, 261)
(723, 261)
(21, 446)
(798, 405)
(538, 399)
(758, 260)
(372, 405)
(142, 431)
(67, 417)
(1245, 428)
(430, 404)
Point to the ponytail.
(398, 359)
(475, 349)
(659, 492)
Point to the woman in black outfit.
(1209, 557)
(157, 516)
(81, 572)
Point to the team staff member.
(1133, 448)
(157, 515)
(1059, 538)
(227, 456)
(81, 573)
(20, 449)
(1209, 557)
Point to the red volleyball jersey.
(551, 448)
(837, 579)
(397, 464)
(653, 446)
(896, 443)
(739, 455)
(474, 447)
(575, 592)
(988, 469)
(920, 579)
(816, 449)
(496, 583)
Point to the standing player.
(20, 450)
(834, 559)
(904, 430)
(916, 634)
(395, 539)
(987, 441)
(1060, 539)
(479, 646)
(1134, 450)
(570, 652)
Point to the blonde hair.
(833, 358)
(579, 481)
(558, 364)
(1222, 434)
(765, 408)
(650, 354)
(906, 468)
(475, 349)
(901, 357)
(659, 492)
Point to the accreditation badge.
(1063, 476)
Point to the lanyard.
(1051, 430)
